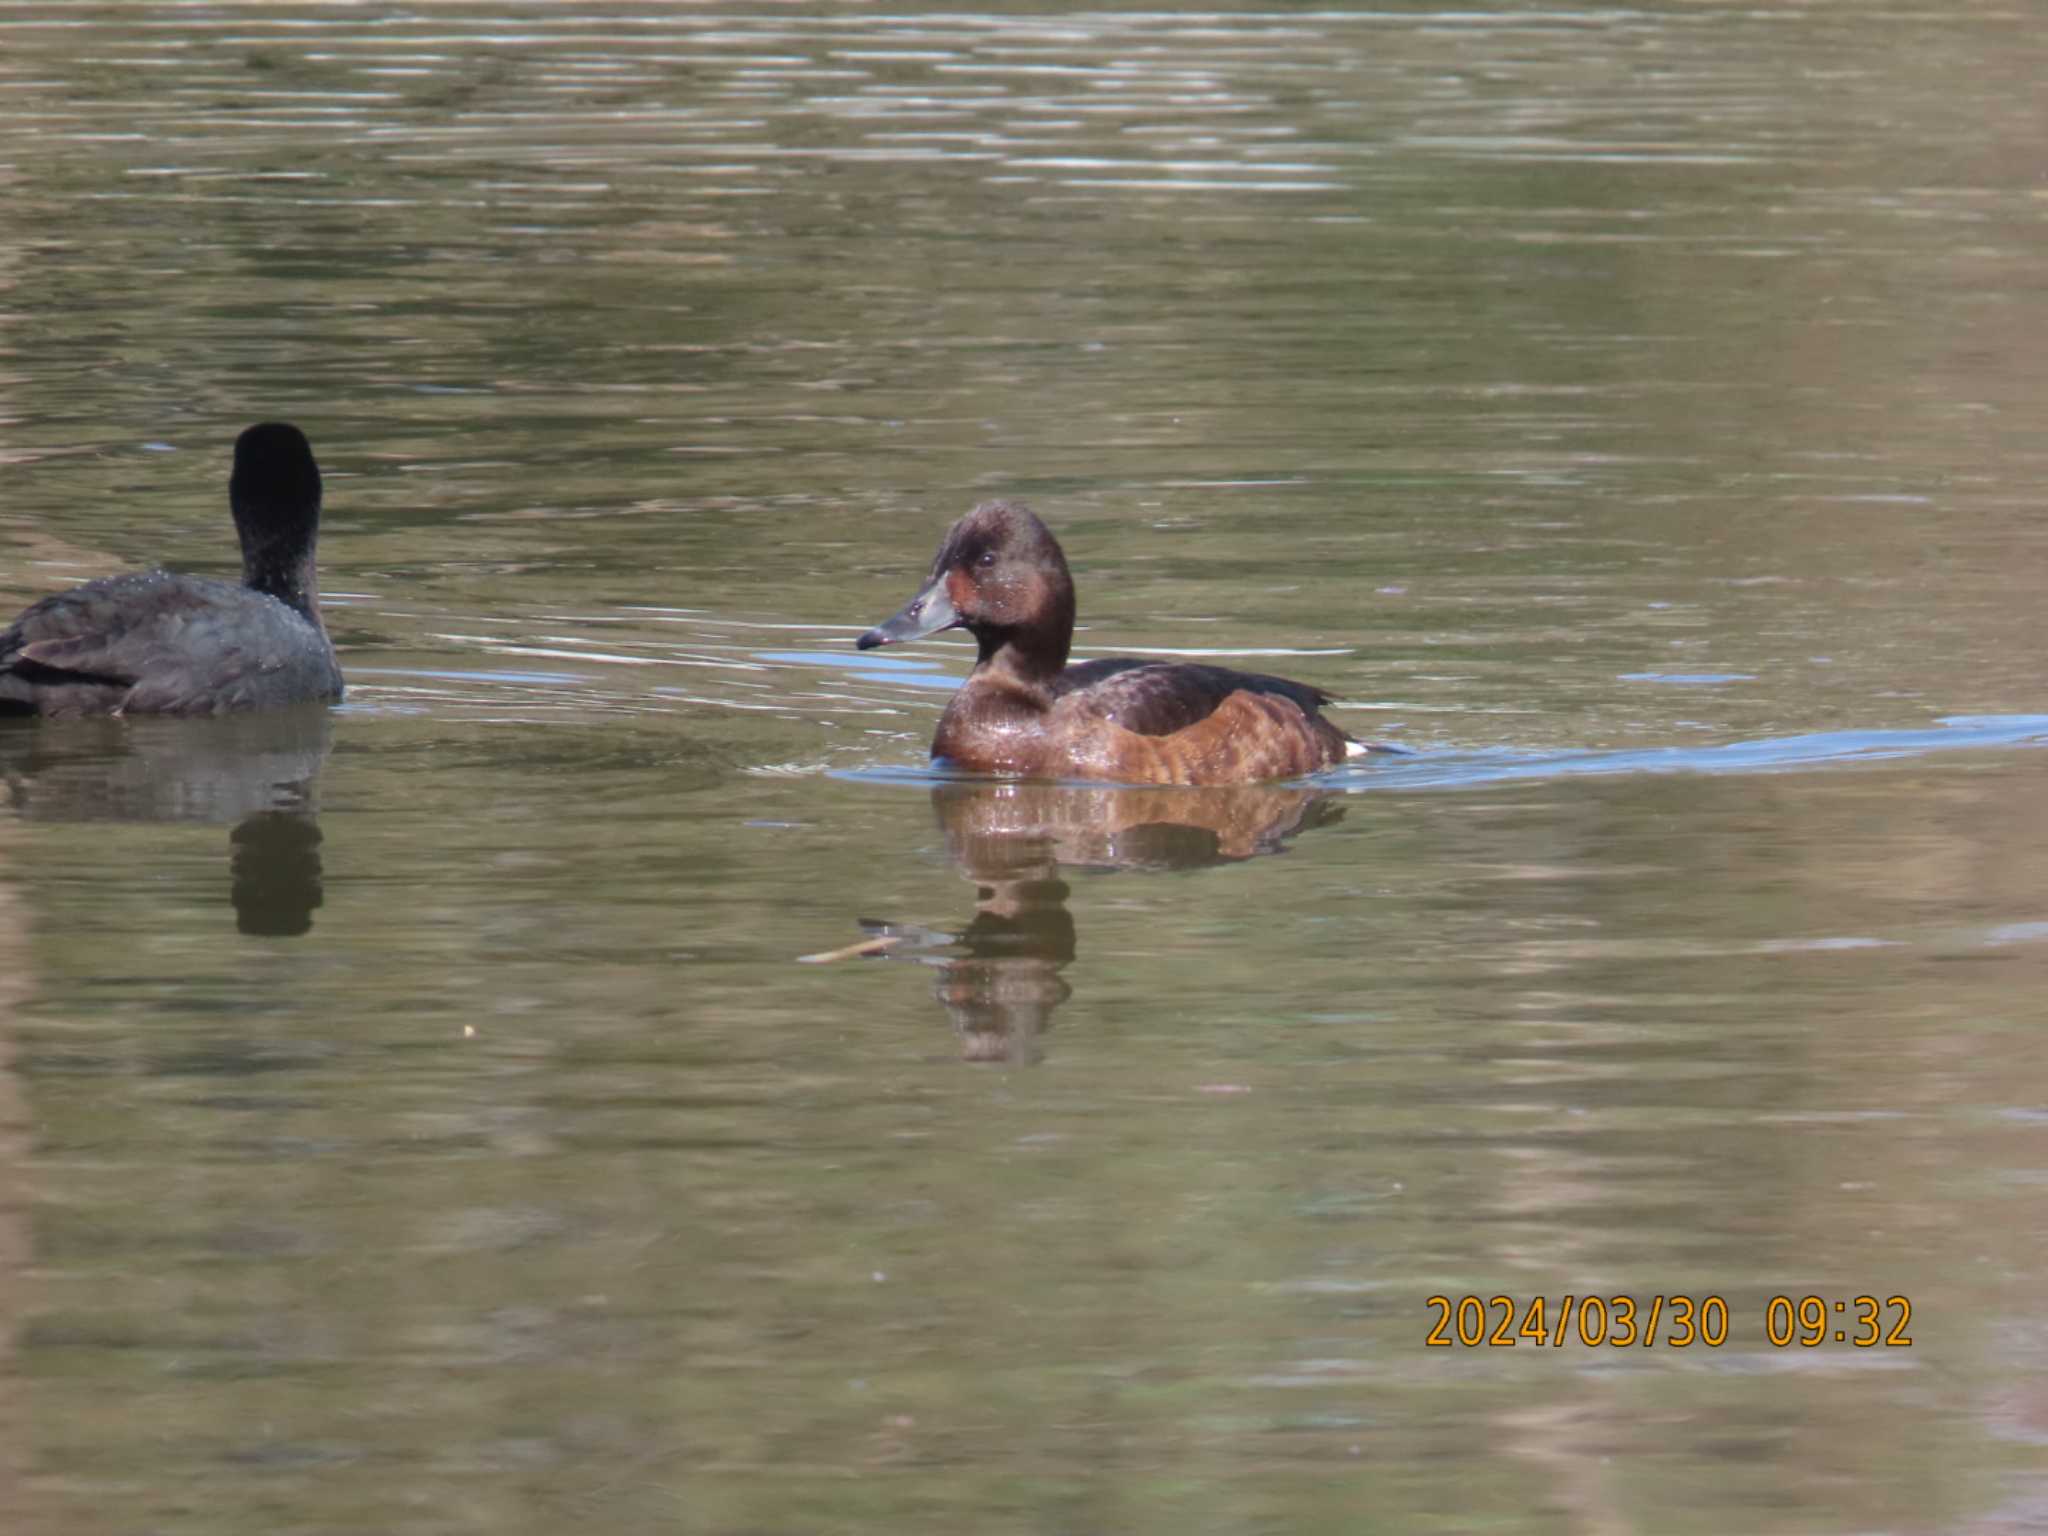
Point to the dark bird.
(1001, 576)
(162, 644)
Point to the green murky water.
(422, 1118)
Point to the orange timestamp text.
(1671, 1322)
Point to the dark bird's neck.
(293, 579)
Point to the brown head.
(1001, 576)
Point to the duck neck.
(1032, 655)
(1029, 659)
(292, 580)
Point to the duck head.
(274, 493)
(1001, 576)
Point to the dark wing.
(1158, 698)
(150, 642)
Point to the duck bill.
(925, 614)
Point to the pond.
(599, 1072)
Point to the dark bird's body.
(165, 644)
(1001, 575)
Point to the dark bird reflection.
(999, 977)
(274, 865)
(256, 772)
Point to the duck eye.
(987, 560)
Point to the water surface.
(419, 1117)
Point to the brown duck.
(1001, 576)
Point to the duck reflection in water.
(999, 978)
(256, 772)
